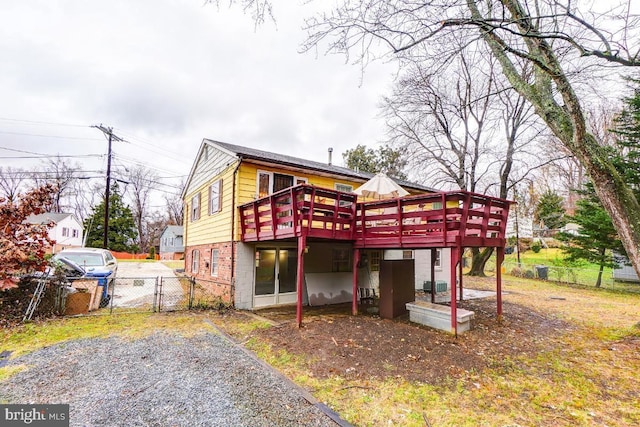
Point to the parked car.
(90, 263)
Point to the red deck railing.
(300, 210)
(447, 219)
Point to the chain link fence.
(571, 275)
(45, 296)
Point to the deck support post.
(434, 253)
(499, 261)
(460, 271)
(302, 244)
(356, 261)
(455, 258)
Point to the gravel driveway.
(164, 379)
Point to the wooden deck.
(435, 220)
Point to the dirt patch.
(366, 346)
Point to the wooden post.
(302, 242)
(455, 257)
(356, 261)
(460, 271)
(433, 275)
(499, 260)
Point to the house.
(263, 229)
(66, 231)
(171, 246)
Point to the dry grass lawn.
(562, 356)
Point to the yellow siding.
(248, 178)
(216, 227)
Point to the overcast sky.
(167, 73)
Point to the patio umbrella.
(380, 187)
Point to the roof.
(47, 217)
(283, 159)
(176, 230)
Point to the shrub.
(536, 247)
(529, 274)
(516, 271)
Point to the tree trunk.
(479, 260)
(567, 121)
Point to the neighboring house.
(66, 231)
(171, 246)
(255, 219)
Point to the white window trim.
(217, 183)
(271, 180)
(215, 266)
(195, 261)
(195, 209)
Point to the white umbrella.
(380, 187)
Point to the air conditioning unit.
(441, 286)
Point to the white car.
(93, 261)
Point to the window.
(436, 205)
(170, 241)
(438, 258)
(65, 232)
(215, 253)
(345, 189)
(195, 207)
(341, 260)
(195, 260)
(270, 182)
(264, 184)
(74, 233)
(407, 254)
(375, 260)
(215, 197)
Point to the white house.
(66, 232)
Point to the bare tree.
(63, 176)
(465, 126)
(175, 206)
(141, 181)
(557, 39)
(12, 180)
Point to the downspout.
(233, 229)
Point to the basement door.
(275, 278)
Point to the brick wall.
(219, 285)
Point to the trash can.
(103, 282)
(542, 271)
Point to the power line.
(49, 155)
(49, 136)
(35, 122)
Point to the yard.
(561, 356)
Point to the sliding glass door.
(275, 278)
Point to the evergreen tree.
(122, 231)
(597, 239)
(550, 211)
(626, 154)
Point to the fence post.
(192, 291)
(155, 295)
(159, 281)
(113, 292)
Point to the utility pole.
(108, 132)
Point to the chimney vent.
(330, 152)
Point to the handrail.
(447, 218)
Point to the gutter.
(233, 229)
